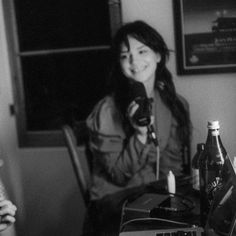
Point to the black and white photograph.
(117, 118)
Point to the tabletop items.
(181, 204)
(195, 167)
(212, 171)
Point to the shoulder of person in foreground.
(7, 214)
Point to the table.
(157, 209)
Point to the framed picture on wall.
(205, 32)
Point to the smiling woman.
(53, 47)
(127, 153)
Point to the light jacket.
(120, 164)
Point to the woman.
(123, 155)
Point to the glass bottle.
(195, 167)
(211, 165)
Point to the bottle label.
(213, 185)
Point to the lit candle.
(171, 182)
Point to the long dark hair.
(163, 83)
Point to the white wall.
(210, 96)
(9, 153)
(41, 180)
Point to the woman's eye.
(143, 51)
(123, 56)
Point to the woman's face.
(139, 62)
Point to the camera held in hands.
(137, 93)
(142, 116)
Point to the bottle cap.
(213, 124)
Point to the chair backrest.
(77, 163)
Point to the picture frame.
(205, 36)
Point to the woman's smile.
(136, 70)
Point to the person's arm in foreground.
(7, 214)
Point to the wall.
(9, 153)
(41, 180)
(53, 203)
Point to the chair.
(80, 165)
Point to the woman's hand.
(140, 131)
(7, 214)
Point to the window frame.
(51, 138)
